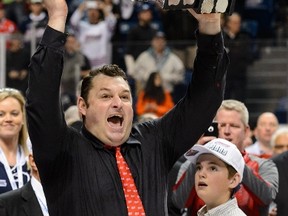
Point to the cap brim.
(198, 150)
(193, 153)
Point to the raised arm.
(57, 12)
(44, 110)
(194, 113)
(209, 24)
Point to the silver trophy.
(200, 6)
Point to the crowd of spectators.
(118, 32)
(157, 58)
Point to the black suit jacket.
(281, 162)
(20, 202)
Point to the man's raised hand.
(57, 12)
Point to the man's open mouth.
(115, 120)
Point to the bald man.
(267, 124)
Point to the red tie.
(133, 201)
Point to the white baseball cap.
(221, 148)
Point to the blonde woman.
(13, 135)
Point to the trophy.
(200, 6)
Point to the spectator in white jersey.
(94, 33)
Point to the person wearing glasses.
(279, 140)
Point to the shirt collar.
(98, 144)
(38, 190)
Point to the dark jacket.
(281, 162)
(79, 175)
(139, 39)
(20, 202)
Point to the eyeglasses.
(280, 146)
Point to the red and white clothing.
(7, 26)
(259, 187)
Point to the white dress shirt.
(38, 189)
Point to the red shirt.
(7, 26)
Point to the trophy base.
(200, 6)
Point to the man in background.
(267, 124)
(28, 200)
(260, 179)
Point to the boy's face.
(211, 180)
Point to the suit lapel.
(30, 202)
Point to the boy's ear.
(235, 180)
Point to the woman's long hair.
(151, 91)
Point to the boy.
(219, 170)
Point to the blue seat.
(251, 27)
(264, 14)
